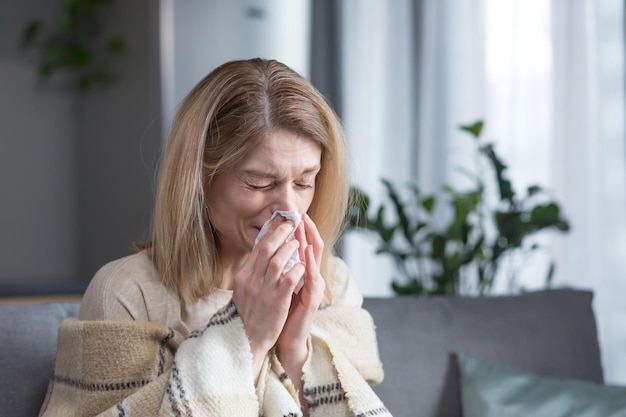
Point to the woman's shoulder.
(121, 289)
(137, 262)
(343, 288)
(127, 272)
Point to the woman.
(203, 320)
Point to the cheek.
(305, 203)
(233, 206)
(250, 204)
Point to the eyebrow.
(263, 174)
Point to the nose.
(285, 199)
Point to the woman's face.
(277, 175)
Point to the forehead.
(281, 150)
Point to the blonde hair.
(221, 119)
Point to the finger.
(277, 263)
(300, 235)
(245, 278)
(312, 268)
(269, 244)
(314, 238)
(292, 277)
(279, 225)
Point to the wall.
(75, 171)
(198, 36)
(38, 201)
(120, 144)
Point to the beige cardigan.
(130, 289)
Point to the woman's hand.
(262, 294)
(304, 304)
(292, 342)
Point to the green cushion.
(493, 390)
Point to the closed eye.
(260, 187)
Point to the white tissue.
(295, 217)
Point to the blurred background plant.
(456, 242)
(74, 43)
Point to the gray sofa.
(549, 333)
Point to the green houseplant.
(439, 257)
(74, 43)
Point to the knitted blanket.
(136, 369)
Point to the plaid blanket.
(129, 368)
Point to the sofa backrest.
(551, 333)
(28, 342)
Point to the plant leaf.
(399, 206)
(533, 190)
(548, 215)
(428, 204)
(413, 287)
(387, 234)
(31, 31)
(550, 274)
(358, 208)
(475, 128)
(504, 185)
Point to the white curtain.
(587, 161)
(451, 88)
(547, 78)
(377, 103)
(555, 107)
